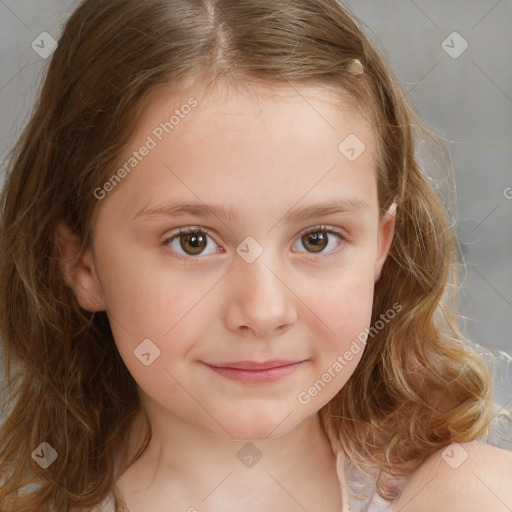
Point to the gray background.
(467, 100)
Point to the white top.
(358, 492)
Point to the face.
(281, 273)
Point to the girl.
(225, 281)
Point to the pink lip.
(252, 372)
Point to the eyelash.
(193, 229)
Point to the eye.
(191, 242)
(316, 239)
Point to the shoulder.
(468, 477)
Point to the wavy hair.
(420, 384)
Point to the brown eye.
(193, 243)
(321, 240)
(315, 240)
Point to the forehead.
(276, 121)
(221, 144)
(231, 104)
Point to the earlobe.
(78, 269)
(386, 232)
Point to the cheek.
(138, 295)
(144, 303)
(344, 305)
(343, 316)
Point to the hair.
(420, 384)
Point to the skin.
(465, 477)
(264, 154)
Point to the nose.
(261, 302)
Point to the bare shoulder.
(466, 477)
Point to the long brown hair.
(419, 386)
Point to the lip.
(254, 372)
(253, 365)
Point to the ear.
(78, 270)
(386, 232)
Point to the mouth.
(251, 372)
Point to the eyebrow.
(229, 214)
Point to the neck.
(188, 456)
